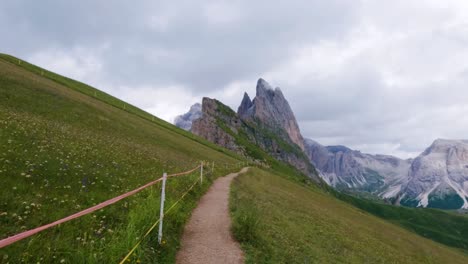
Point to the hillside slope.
(293, 223)
(66, 146)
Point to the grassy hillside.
(441, 226)
(66, 146)
(293, 223)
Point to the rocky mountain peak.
(264, 89)
(445, 145)
(263, 86)
(208, 128)
(448, 143)
(439, 176)
(271, 109)
(245, 107)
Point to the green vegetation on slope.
(281, 221)
(104, 97)
(65, 146)
(265, 145)
(440, 226)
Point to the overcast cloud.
(379, 76)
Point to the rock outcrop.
(270, 109)
(264, 125)
(437, 178)
(345, 168)
(245, 109)
(185, 121)
(214, 113)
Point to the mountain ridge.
(411, 182)
(268, 121)
(264, 126)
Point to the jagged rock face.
(222, 126)
(208, 127)
(344, 168)
(267, 123)
(185, 121)
(436, 178)
(439, 176)
(245, 109)
(272, 110)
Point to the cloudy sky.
(379, 76)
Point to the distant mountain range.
(437, 178)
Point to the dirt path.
(207, 237)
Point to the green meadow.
(66, 146)
(278, 220)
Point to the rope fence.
(159, 221)
(20, 236)
(12, 239)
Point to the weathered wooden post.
(161, 209)
(201, 173)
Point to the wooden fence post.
(161, 209)
(201, 173)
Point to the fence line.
(12, 239)
(158, 222)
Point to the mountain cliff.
(271, 110)
(262, 128)
(218, 124)
(437, 178)
(266, 127)
(345, 168)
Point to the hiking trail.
(207, 236)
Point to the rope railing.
(12, 239)
(157, 222)
(15, 238)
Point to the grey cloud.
(194, 52)
(376, 75)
